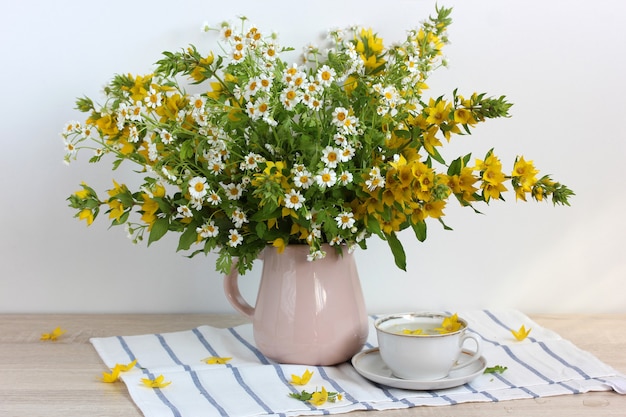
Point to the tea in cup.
(424, 346)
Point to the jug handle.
(231, 289)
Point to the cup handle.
(231, 289)
(469, 357)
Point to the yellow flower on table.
(158, 382)
(54, 335)
(216, 360)
(521, 334)
(301, 380)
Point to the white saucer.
(371, 366)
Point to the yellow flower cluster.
(339, 148)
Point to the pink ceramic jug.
(306, 312)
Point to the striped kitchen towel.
(544, 364)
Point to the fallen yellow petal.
(110, 377)
(54, 335)
(319, 397)
(216, 360)
(521, 334)
(301, 380)
(127, 367)
(156, 382)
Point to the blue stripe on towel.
(157, 391)
(194, 376)
(235, 372)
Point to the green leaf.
(187, 238)
(260, 229)
(420, 230)
(498, 369)
(159, 228)
(398, 251)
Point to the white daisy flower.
(331, 156)
(326, 178)
(196, 203)
(233, 191)
(265, 82)
(303, 179)
(166, 137)
(133, 134)
(153, 99)
(318, 254)
(214, 198)
(184, 211)
(135, 112)
(208, 230)
(375, 182)
(294, 200)
(345, 220)
(340, 114)
(234, 238)
(197, 103)
(345, 178)
(198, 187)
(347, 153)
(239, 218)
(325, 75)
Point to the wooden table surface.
(61, 378)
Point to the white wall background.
(562, 62)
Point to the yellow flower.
(464, 117)
(108, 125)
(127, 367)
(438, 111)
(157, 382)
(409, 331)
(319, 397)
(450, 324)
(302, 380)
(84, 193)
(434, 209)
(110, 377)
(113, 376)
(87, 215)
(54, 335)
(198, 72)
(138, 91)
(216, 360)
(521, 334)
(279, 244)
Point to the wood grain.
(60, 378)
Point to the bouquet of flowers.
(241, 149)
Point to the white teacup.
(413, 349)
